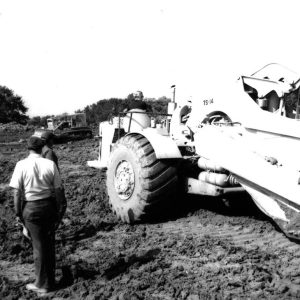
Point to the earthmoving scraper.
(243, 137)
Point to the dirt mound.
(13, 126)
(13, 132)
(7, 165)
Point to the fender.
(164, 147)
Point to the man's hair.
(35, 143)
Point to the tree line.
(107, 108)
(13, 108)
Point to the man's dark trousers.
(39, 218)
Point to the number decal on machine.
(208, 101)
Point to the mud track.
(203, 251)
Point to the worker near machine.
(137, 102)
(34, 179)
(137, 110)
(48, 152)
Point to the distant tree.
(106, 108)
(159, 106)
(38, 121)
(164, 98)
(35, 121)
(64, 114)
(12, 107)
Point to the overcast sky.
(63, 55)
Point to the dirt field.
(204, 251)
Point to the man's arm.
(61, 202)
(16, 182)
(18, 202)
(49, 154)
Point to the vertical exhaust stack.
(174, 90)
(172, 105)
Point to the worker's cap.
(35, 143)
(47, 135)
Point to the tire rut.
(240, 236)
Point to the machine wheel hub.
(124, 180)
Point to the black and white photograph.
(149, 149)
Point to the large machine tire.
(138, 183)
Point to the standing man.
(137, 102)
(38, 178)
(47, 152)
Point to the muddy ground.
(204, 250)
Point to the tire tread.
(159, 178)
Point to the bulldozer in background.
(69, 127)
(245, 138)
